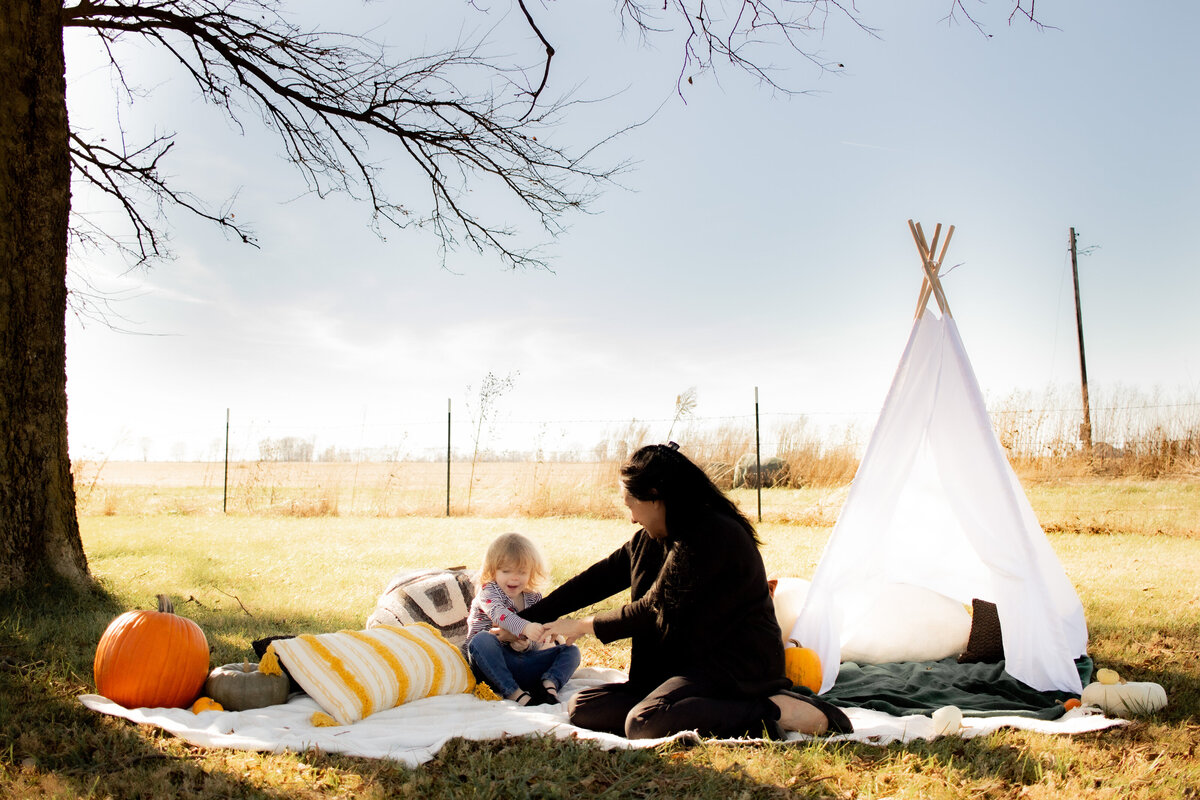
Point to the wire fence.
(503, 467)
(1031, 427)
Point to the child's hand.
(534, 631)
(503, 635)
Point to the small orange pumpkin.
(203, 704)
(152, 659)
(802, 666)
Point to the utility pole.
(1085, 429)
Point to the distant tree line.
(288, 448)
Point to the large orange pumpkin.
(152, 659)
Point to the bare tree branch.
(1028, 13)
(327, 94)
(739, 32)
(957, 8)
(461, 119)
(549, 57)
(119, 175)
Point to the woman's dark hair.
(661, 472)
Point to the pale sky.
(760, 241)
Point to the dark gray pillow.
(260, 647)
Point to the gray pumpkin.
(238, 687)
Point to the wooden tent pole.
(931, 271)
(937, 234)
(932, 283)
(928, 284)
(937, 271)
(922, 298)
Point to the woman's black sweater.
(699, 607)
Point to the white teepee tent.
(935, 504)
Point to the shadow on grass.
(54, 747)
(1144, 760)
(546, 767)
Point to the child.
(527, 670)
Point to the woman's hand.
(570, 629)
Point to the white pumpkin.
(947, 721)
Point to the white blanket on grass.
(414, 733)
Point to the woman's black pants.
(679, 704)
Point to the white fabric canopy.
(936, 504)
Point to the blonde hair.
(513, 549)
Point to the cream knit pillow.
(353, 674)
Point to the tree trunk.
(39, 532)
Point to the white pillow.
(900, 622)
(789, 597)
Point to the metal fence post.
(757, 456)
(225, 491)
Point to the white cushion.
(789, 597)
(901, 622)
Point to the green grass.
(1131, 549)
(1170, 507)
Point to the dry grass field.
(1075, 503)
(349, 489)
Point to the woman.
(707, 653)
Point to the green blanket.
(922, 687)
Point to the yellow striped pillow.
(353, 674)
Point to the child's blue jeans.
(506, 670)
